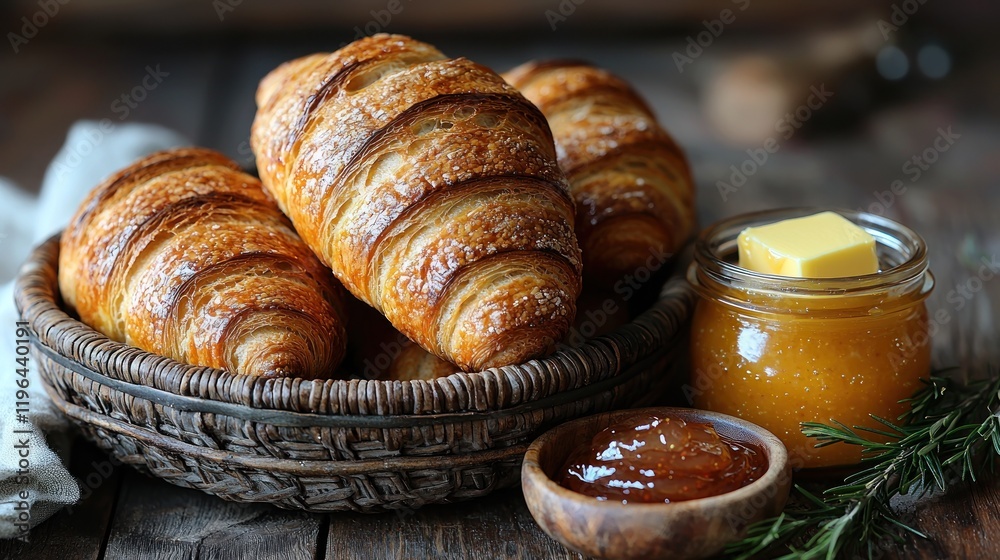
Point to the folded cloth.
(34, 482)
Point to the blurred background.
(887, 106)
(722, 74)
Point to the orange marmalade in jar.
(778, 351)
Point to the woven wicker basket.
(331, 445)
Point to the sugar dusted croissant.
(597, 313)
(632, 185)
(184, 255)
(431, 188)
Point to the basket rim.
(286, 418)
(566, 375)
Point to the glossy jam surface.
(778, 370)
(661, 460)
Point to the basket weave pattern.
(332, 445)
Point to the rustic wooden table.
(208, 95)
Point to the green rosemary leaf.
(904, 527)
(933, 466)
(894, 434)
(949, 426)
(816, 500)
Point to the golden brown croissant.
(413, 362)
(184, 255)
(431, 188)
(597, 313)
(632, 185)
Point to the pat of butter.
(823, 245)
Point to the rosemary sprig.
(950, 429)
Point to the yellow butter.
(823, 245)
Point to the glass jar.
(778, 351)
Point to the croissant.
(413, 362)
(430, 187)
(184, 255)
(597, 313)
(632, 184)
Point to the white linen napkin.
(92, 151)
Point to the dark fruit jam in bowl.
(661, 460)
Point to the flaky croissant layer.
(431, 188)
(633, 188)
(184, 255)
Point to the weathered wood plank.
(960, 227)
(498, 526)
(154, 519)
(962, 523)
(76, 532)
(961, 230)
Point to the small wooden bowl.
(692, 529)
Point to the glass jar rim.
(902, 248)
